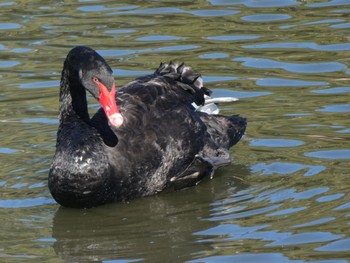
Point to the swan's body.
(159, 141)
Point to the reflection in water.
(136, 230)
(287, 62)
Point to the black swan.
(148, 136)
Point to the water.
(285, 198)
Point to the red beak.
(109, 104)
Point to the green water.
(286, 197)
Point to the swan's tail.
(193, 83)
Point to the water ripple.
(292, 67)
(253, 3)
(30, 202)
(275, 143)
(332, 90)
(335, 108)
(251, 258)
(330, 154)
(305, 238)
(343, 25)
(329, 198)
(40, 84)
(245, 214)
(285, 198)
(301, 45)
(265, 17)
(173, 10)
(286, 168)
(340, 245)
(214, 55)
(315, 222)
(7, 150)
(233, 37)
(278, 82)
(102, 8)
(158, 38)
(9, 26)
(9, 64)
(329, 3)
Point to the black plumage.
(163, 141)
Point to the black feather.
(163, 142)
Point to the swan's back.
(165, 141)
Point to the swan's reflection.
(154, 229)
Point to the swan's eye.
(94, 79)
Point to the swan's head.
(97, 77)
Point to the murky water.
(286, 198)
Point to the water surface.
(286, 197)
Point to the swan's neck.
(72, 97)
